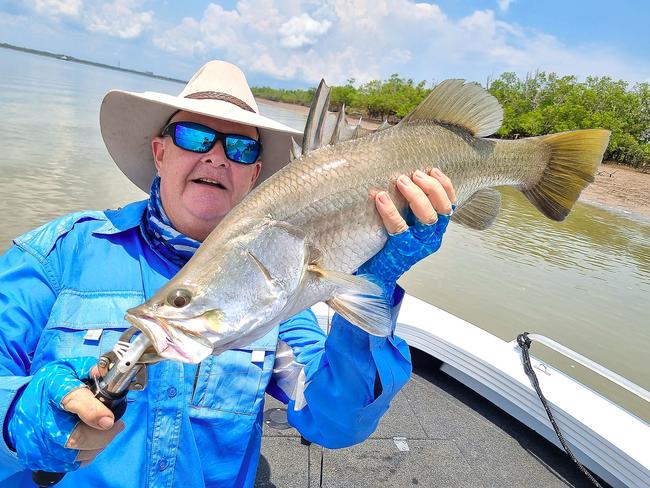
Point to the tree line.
(537, 104)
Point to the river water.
(584, 282)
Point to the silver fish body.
(295, 239)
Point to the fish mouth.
(171, 338)
(216, 183)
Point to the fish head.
(232, 292)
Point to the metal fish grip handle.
(125, 371)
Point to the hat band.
(224, 97)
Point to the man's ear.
(158, 151)
(256, 174)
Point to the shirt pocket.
(84, 324)
(235, 380)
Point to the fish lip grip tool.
(125, 367)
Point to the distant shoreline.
(65, 57)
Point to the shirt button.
(162, 464)
(171, 392)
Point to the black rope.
(524, 343)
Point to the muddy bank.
(620, 188)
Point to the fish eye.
(179, 298)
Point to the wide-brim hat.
(129, 121)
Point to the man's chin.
(208, 207)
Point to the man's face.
(194, 205)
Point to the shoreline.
(72, 59)
(618, 188)
(302, 110)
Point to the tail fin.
(575, 156)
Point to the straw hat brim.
(129, 121)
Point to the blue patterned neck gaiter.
(160, 234)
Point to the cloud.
(504, 5)
(57, 8)
(179, 39)
(302, 30)
(118, 19)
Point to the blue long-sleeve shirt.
(64, 289)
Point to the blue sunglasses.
(200, 139)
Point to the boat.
(470, 417)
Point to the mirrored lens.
(194, 137)
(242, 149)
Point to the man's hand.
(431, 198)
(57, 424)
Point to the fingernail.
(105, 423)
(383, 197)
(419, 174)
(436, 171)
(405, 180)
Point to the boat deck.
(455, 438)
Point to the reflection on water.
(584, 282)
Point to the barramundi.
(298, 237)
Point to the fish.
(298, 238)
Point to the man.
(65, 286)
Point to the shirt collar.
(122, 219)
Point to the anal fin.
(480, 210)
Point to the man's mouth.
(211, 182)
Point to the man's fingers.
(427, 195)
(90, 410)
(418, 199)
(392, 219)
(97, 372)
(436, 194)
(86, 438)
(446, 184)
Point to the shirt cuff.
(10, 387)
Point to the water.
(585, 282)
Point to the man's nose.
(216, 156)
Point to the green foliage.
(297, 97)
(545, 103)
(537, 104)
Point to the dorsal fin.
(295, 151)
(316, 118)
(384, 124)
(324, 127)
(466, 105)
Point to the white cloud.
(302, 30)
(118, 19)
(180, 39)
(504, 5)
(56, 8)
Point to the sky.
(295, 43)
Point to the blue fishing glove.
(40, 428)
(403, 250)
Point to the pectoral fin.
(358, 300)
(480, 210)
